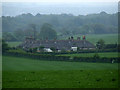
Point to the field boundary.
(64, 58)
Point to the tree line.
(47, 32)
(64, 24)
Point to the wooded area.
(16, 28)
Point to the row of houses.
(67, 45)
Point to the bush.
(5, 46)
(96, 56)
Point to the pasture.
(102, 54)
(29, 73)
(13, 44)
(93, 38)
(108, 38)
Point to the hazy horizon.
(17, 8)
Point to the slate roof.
(58, 44)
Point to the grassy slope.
(26, 73)
(23, 64)
(108, 38)
(105, 54)
(13, 44)
(93, 38)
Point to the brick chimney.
(72, 38)
(84, 37)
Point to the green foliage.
(47, 32)
(96, 56)
(61, 58)
(28, 32)
(33, 26)
(65, 25)
(4, 46)
(41, 48)
(19, 34)
(109, 46)
(100, 44)
(93, 23)
(9, 37)
(34, 50)
(17, 51)
(99, 29)
(53, 49)
(100, 54)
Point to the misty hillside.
(93, 23)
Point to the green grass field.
(29, 73)
(105, 54)
(108, 38)
(13, 44)
(93, 38)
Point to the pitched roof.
(58, 44)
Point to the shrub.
(96, 56)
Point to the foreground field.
(61, 79)
(28, 73)
(105, 54)
(23, 64)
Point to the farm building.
(69, 44)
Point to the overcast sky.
(60, 0)
(75, 7)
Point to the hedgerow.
(53, 57)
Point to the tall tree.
(4, 46)
(48, 32)
(9, 36)
(100, 44)
(19, 34)
(33, 26)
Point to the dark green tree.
(99, 29)
(5, 46)
(48, 32)
(28, 32)
(102, 22)
(41, 48)
(34, 50)
(96, 56)
(9, 36)
(33, 27)
(53, 49)
(19, 34)
(100, 44)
